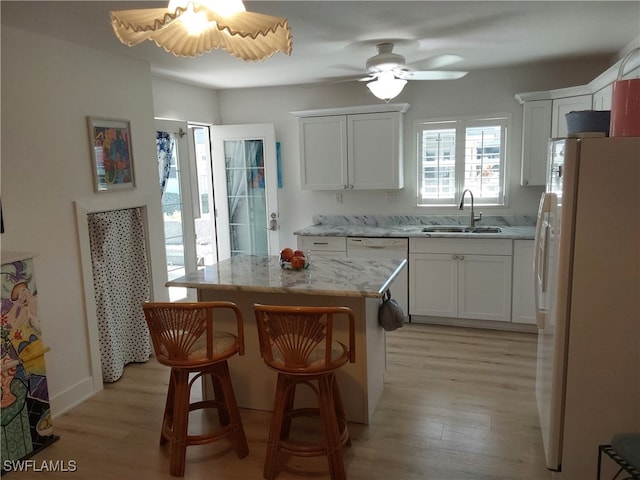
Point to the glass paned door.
(245, 186)
(177, 211)
(202, 195)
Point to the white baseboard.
(75, 395)
(472, 323)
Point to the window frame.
(460, 125)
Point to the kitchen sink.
(460, 229)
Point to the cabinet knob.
(350, 186)
(461, 257)
(454, 257)
(345, 187)
(525, 182)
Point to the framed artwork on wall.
(111, 154)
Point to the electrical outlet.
(338, 198)
(392, 197)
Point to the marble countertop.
(355, 277)
(513, 227)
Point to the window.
(454, 155)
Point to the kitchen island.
(357, 283)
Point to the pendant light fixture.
(386, 86)
(188, 28)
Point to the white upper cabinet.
(602, 99)
(323, 152)
(536, 130)
(374, 151)
(354, 148)
(562, 106)
(544, 119)
(544, 115)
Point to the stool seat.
(301, 345)
(628, 447)
(185, 339)
(625, 451)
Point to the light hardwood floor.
(458, 404)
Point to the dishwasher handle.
(376, 243)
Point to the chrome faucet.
(472, 218)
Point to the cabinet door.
(536, 131)
(523, 306)
(374, 151)
(602, 99)
(484, 287)
(323, 153)
(433, 284)
(561, 107)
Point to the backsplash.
(393, 220)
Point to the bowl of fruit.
(291, 259)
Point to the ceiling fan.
(388, 71)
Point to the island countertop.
(354, 277)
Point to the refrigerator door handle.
(541, 257)
(545, 260)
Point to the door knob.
(273, 223)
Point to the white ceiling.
(333, 39)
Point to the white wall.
(49, 87)
(479, 93)
(178, 101)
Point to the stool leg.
(180, 424)
(275, 429)
(230, 409)
(330, 428)
(219, 395)
(289, 399)
(340, 413)
(167, 417)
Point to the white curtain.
(121, 282)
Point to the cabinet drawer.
(322, 243)
(478, 246)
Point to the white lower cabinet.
(322, 246)
(460, 278)
(523, 310)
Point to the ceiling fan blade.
(438, 61)
(431, 75)
(349, 78)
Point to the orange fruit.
(286, 254)
(297, 262)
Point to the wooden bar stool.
(184, 338)
(624, 450)
(299, 343)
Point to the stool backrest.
(184, 334)
(303, 339)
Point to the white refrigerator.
(587, 289)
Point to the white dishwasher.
(362, 247)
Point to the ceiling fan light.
(386, 86)
(246, 35)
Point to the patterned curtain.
(165, 144)
(121, 281)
